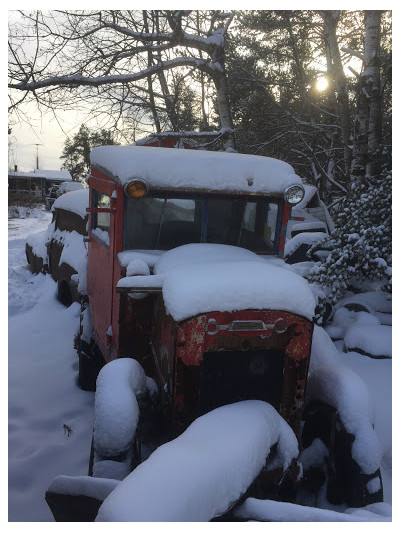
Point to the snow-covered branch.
(96, 81)
(353, 53)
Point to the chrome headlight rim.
(136, 180)
(289, 191)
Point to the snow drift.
(203, 472)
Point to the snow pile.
(195, 169)
(374, 340)
(273, 511)
(74, 253)
(344, 319)
(117, 414)
(38, 241)
(203, 472)
(323, 351)
(302, 238)
(19, 211)
(137, 267)
(138, 282)
(75, 201)
(337, 385)
(344, 390)
(377, 301)
(150, 257)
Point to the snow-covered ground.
(51, 419)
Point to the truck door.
(100, 264)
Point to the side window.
(101, 221)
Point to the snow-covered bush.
(362, 249)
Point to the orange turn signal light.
(136, 188)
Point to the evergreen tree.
(361, 244)
(76, 151)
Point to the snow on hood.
(195, 169)
(198, 278)
(194, 254)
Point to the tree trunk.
(224, 108)
(331, 19)
(372, 75)
(367, 124)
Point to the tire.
(346, 483)
(91, 360)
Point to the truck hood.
(200, 278)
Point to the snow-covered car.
(61, 249)
(68, 186)
(57, 190)
(309, 223)
(192, 322)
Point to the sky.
(44, 137)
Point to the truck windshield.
(164, 223)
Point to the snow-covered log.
(202, 473)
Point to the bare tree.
(117, 58)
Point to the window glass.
(160, 223)
(164, 223)
(101, 221)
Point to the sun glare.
(322, 84)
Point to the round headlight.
(280, 325)
(136, 188)
(212, 327)
(294, 194)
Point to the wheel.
(91, 360)
(346, 483)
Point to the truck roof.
(173, 168)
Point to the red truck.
(185, 275)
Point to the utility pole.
(37, 153)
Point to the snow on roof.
(201, 473)
(194, 169)
(53, 175)
(75, 201)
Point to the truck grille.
(232, 376)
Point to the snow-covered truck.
(189, 307)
